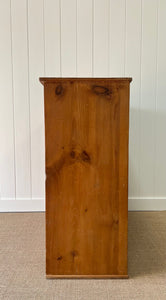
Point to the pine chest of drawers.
(86, 139)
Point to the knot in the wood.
(85, 156)
(115, 221)
(59, 258)
(101, 90)
(59, 90)
(72, 154)
(74, 253)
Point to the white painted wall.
(102, 38)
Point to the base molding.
(22, 205)
(147, 203)
(87, 276)
(38, 204)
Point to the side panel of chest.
(86, 137)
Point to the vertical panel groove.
(60, 42)
(117, 37)
(148, 97)
(109, 57)
(36, 67)
(68, 38)
(140, 99)
(14, 137)
(156, 88)
(109, 38)
(84, 38)
(44, 44)
(132, 68)
(92, 38)
(101, 26)
(76, 39)
(29, 101)
(125, 39)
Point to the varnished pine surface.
(44, 80)
(86, 126)
(87, 276)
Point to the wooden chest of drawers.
(86, 138)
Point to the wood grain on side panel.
(86, 127)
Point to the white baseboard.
(147, 203)
(38, 204)
(22, 205)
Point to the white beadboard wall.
(98, 38)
